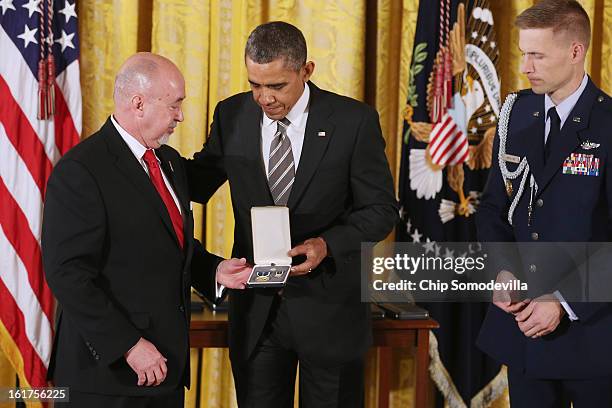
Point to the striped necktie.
(281, 169)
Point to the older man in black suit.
(118, 250)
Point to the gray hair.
(277, 39)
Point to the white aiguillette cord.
(523, 168)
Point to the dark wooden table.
(209, 329)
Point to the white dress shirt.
(298, 116)
(138, 151)
(563, 110)
(565, 107)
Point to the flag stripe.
(462, 155)
(457, 154)
(23, 137)
(66, 135)
(449, 145)
(69, 82)
(19, 182)
(32, 338)
(460, 147)
(443, 148)
(66, 110)
(438, 131)
(453, 145)
(440, 136)
(18, 234)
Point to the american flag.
(29, 147)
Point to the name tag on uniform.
(511, 158)
(581, 165)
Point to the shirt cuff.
(218, 287)
(570, 313)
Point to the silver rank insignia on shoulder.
(588, 145)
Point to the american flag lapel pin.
(321, 133)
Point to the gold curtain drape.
(205, 38)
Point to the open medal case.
(271, 243)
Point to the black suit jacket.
(566, 208)
(113, 261)
(343, 192)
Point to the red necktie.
(164, 193)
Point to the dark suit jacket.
(343, 192)
(567, 208)
(112, 260)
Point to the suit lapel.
(318, 132)
(249, 133)
(133, 171)
(179, 188)
(577, 121)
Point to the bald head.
(149, 90)
(139, 73)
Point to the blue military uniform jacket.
(567, 207)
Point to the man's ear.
(307, 70)
(578, 51)
(137, 105)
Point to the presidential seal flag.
(450, 119)
(40, 119)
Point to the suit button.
(540, 202)
(182, 309)
(535, 236)
(532, 268)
